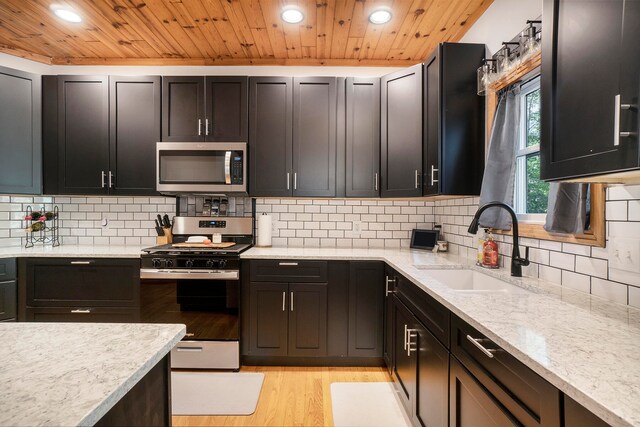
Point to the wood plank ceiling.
(232, 32)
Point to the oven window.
(192, 167)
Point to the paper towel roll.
(264, 230)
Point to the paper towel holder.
(264, 241)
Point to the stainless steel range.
(198, 285)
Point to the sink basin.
(472, 281)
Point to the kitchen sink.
(472, 281)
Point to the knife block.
(166, 239)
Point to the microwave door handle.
(227, 167)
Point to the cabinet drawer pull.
(476, 342)
(80, 262)
(291, 300)
(284, 297)
(287, 264)
(81, 311)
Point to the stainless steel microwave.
(201, 167)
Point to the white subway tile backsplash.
(611, 291)
(576, 281)
(591, 266)
(616, 211)
(634, 296)
(562, 260)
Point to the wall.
(579, 267)
(334, 222)
(129, 219)
(502, 21)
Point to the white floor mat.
(215, 393)
(366, 404)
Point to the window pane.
(533, 118)
(537, 191)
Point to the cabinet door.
(366, 305)
(8, 300)
(363, 137)
(432, 124)
(582, 59)
(134, 131)
(83, 134)
(269, 318)
(432, 389)
(401, 133)
(20, 139)
(307, 319)
(404, 366)
(630, 71)
(183, 110)
(470, 405)
(270, 136)
(314, 136)
(226, 104)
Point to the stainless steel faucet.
(516, 261)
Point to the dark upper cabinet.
(99, 134)
(362, 137)
(314, 136)
(134, 122)
(204, 109)
(227, 114)
(270, 136)
(401, 133)
(453, 152)
(366, 308)
(83, 134)
(183, 109)
(21, 136)
(590, 87)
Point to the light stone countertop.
(71, 251)
(73, 373)
(586, 347)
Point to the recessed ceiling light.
(66, 13)
(292, 15)
(380, 16)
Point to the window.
(531, 194)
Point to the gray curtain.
(499, 171)
(567, 210)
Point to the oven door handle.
(152, 273)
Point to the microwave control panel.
(237, 168)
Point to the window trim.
(593, 237)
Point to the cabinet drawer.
(527, 396)
(429, 311)
(7, 269)
(288, 271)
(83, 314)
(60, 282)
(7, 300)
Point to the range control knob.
(156, 262)
(222, 263)
(189, 263)
(210, 263)
(169, 263)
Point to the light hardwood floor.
(291, 396)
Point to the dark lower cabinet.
(576, 415)
(366, 305)
(21, 136)
(401, 133)
(421, 369)
(390, 278)
(307, 319)
(288, 319)
(8, 291)
(363, 137)
(470, 403)
(84, 290)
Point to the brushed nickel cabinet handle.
(375, 181)
(111, 176)
(386, 286)
(476, 342)
(102, 179)
(295, 180)
(433, 171)
(405, 337)
(411, 333)
(291, 300)
(81, 311)
(288, 180)
(288, 264)
(284, 297)
(80, 262)
(199, 127)
(417, 185)
(206, 127)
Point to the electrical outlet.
(357, 227)
(624, 254)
